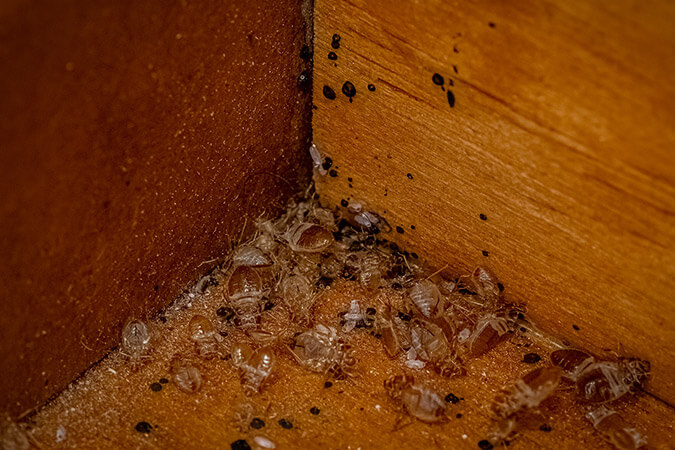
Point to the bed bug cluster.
(425, 319)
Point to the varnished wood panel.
(135, 140)
(561, 135)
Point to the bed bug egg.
(308, 238)
(317, 159)
(184, 375)
(135, 340)
(244, 290)
(615, 430)
(262, 442)
(252, 256)
(528, 392)
(204, 335)
(353, 317)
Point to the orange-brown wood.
(560, 137)
(136, 139)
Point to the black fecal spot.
(268, 305)
(491, 24)
(305, 53)
(225, 313)
(162, 319)
(455, 49)
(485, 444)
(328, 384)
(327, 163)
(454, 68)
(438, 79)
(545, 427)
(403, 316)
(371, 87)
(349, 179)
(303, 80)
(486, 253)
(531, 358)
(409, 175)
(576, 327)
(451, 82)
(458, 415)
(329, 93)
(223, 333)
(371, 311)
(314, 410)
(412, 227)
(155, 387)
(163, 380)
(240, 444)
(336, 41)
(465, 291)
(348, 89)
(369, 241)
(522, 330)
(257, 423)
(156, 288)
(324, 282)
(286, 424)
(451, 99)
(143, 427)
(482, 217)
(332, 56)
(452, 398)
(501, 287)
(414, 255)
(333, 173)
(396, 286)
(344, 202)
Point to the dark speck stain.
(143, 427)
(576, 327)
(155, 387)
(315, 411)
(163, 380)
(409, 176)
(328, 384)
(438, 79)
(451, 99)
(333, 173)
(329, 93)
(531, 358)
(412, 227)
(327, 163)
(483, 217)
(156, 287)
(486, 253)
(350, 179)
(257, 423)
(545, 427)
(336, 41)
(286, 424)
(332, 56)
(344, 202)
(240, 444)
(491, 24)
(400, 230)
(454, 68)
(451, 398)
(485, 444)
(348, 89)
(371, 87)
(305, 53)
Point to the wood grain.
(135, 140)
(561, 136)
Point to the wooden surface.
(102, 409)
(136, 138)
(561, 135)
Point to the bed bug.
(528, 392)
(186, 376)
(298, 293)
(420, 402)
(135, 340)
(321, 350)
(395, 332)
(426, 297)
(308, 238)
(486, 285)
(204, 335)
(255, 367)
(489, 331)
(369, 271)
(615, 430)
(252, 256)
(601, 381)
(244, 290)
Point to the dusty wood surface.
(136, 136)
(102, 409)
(560, 135)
